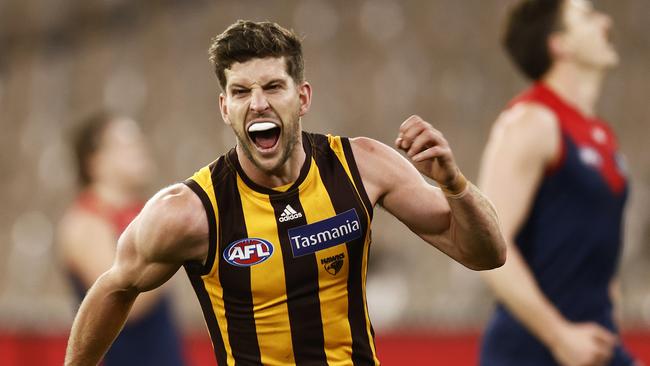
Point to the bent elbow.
(494, 258)
(500, 257)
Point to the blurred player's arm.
(86, 245)
(465, 227)
(522, 144)
(171, 229)
(616, 295)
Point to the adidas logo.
(289, 214)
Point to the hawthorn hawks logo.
(248, 252)
(333, 264)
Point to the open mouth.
(265, 135)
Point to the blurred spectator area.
(372, 64)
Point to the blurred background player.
(553, 170)
(113, 169)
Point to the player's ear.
(304, 94)
(223, 108)
(557, 45)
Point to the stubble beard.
(289, 142)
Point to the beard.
(289, 138)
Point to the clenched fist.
(430, 153)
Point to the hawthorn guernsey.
(324, 234)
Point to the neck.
(577, 85)
(112, 195)
(284, 174)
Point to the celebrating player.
(275, 234)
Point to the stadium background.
(372, 63)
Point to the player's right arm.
(524, 142)
(171, 229)
(88, 262)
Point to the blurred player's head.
(260, 70)
(111, 150)
(540, 33)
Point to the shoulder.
(382, 167)
(528, 117)
(374, 156)
(77, 225)
(367, 148)
(529, 127)
(176, 203)
(172, 218)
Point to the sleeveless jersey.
(152, 339)
(284, 280)
(571, 238)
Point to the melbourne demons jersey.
(153, 338)
(284, 281)
(571, 238)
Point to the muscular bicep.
(521, 145)
(171, 229)
(134, 268)
(396, 185)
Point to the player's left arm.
(458, 220)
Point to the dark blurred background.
(371, 63)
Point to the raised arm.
(524, 141)
(460, 221)
(171, 229)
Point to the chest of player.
(289, 242)
(592, 167)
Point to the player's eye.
(238, 92)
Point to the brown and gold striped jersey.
(284, 281)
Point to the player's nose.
(259, 103)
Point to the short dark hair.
(529, 24)
(87, 140)
(246, 40)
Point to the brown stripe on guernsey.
(350, 166)
(193, 271)
(212, 280)
(268, 281)
(315, 200)
(235, 280)
(301, 279)
(342, 192)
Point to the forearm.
(474, 229)
(515, 287)
(99, 319)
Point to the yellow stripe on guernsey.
(212, 284)
(337, 147)
(270, 295)
(333, 293)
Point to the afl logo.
(248, 252)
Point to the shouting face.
(263, 106)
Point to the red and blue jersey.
(571, 239)
(152, 339)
